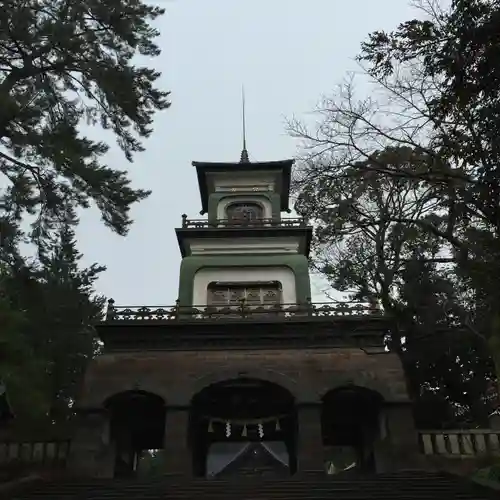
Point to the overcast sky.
(287, 53)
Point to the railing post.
(309, 306)
(427, 443)
(242, 307)
(111, 311)
(184, 220)
(494, 443)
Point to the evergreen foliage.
(64, 63)
(404, 188)
(48, 307)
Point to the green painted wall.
(215, 198)
(192, 264)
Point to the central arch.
(243, 426)
(248, 372)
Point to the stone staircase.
(409, 485)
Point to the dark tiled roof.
(398, 486)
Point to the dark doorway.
(137, 423)
(243, 427)
(350, 426)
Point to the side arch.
(350, 423)
(362, 391)
(362, 384)
(98, 394)
(123, 396)
(136, 423)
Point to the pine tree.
(64, 62)
(52, 307)
(67, 307)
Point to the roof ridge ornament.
(244, 152)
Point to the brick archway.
(364, 386)
(364, 390)
(350, 423)
(100, 395)
(110, 400)
(266, 375)
(233, 409)
(136, 424)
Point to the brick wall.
(176, 376)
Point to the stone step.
(401, 486)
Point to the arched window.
(244, 212)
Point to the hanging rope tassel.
(210, 426)
(261, 430)
(244, 433)
(278, 428)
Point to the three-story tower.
(244, 374)
(244, 253)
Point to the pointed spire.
(244, 152)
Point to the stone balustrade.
(466, 443)
(49, 452)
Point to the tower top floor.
(244, 177)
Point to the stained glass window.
(244, 212)
(221, 294)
